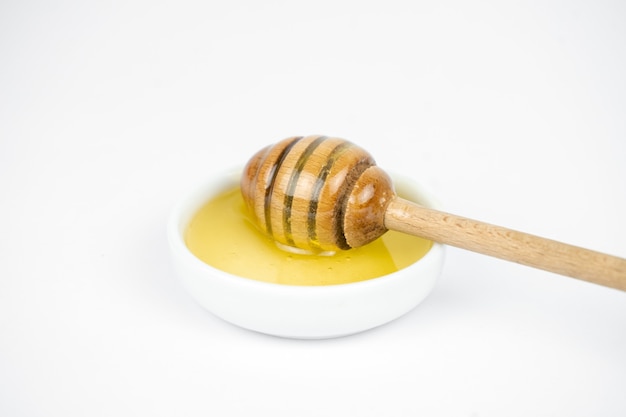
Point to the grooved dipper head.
(317, 193)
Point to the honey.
(223, 234)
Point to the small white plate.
(304, 312)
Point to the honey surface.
(223, 235)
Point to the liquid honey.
(223, 234)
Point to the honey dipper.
(320, 193)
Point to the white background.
(509, 112)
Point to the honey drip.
(224, 235)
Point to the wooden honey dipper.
(320, 193)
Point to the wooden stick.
(320, 193)
(405, 216)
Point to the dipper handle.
(511, 245)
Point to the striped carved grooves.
(302, 189)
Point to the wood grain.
(503, 243)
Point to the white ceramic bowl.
(304, 312)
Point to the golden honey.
(223, 234)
